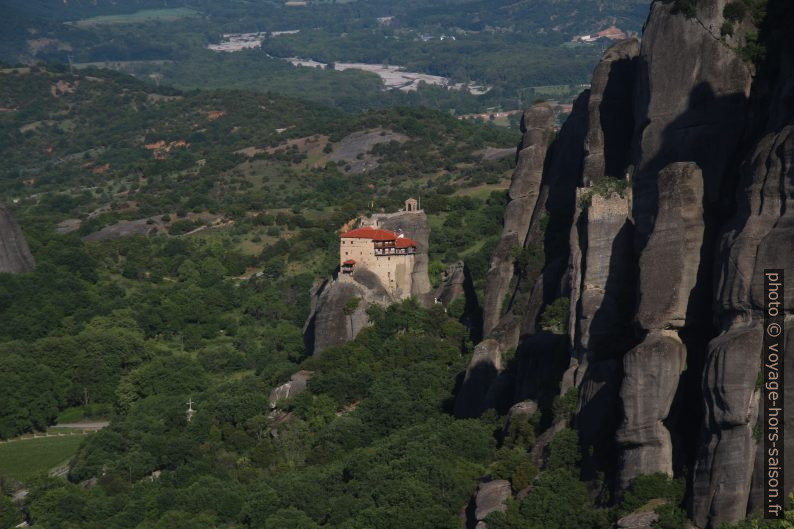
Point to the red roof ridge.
(369, 232)
(404, 242)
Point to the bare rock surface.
(296, 385)
(15, 256)
(452, 286)
(609, 109)
(751, 242)
(669, 263)
(651, 373)
(602, 252)
(491, 496)
(127, 228)
(355, 148)
(328, 325)
(484, 367)
(538, 126)
(668, 272)
(639, 520)
(690, 102)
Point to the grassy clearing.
(143, 15)
(24, 460)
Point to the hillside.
(595, 356)
(133, 197)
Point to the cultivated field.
(23, 460)
(144, 15)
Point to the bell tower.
(412, 205)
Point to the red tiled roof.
(349, 262)
(370, 233)
(404, 242)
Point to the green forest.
(506, 46)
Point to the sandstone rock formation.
(476, 393)
(328, 325)
(640, 520)
(537, 125)
(453, 285)
(15, 256)
(609, 111)
(296, 385)
(664, 277)
(668, 274)
(490, 497)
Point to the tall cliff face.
(673, 182)
(525, 189)
(15, 256)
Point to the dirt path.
(85, 425)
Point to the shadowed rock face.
(328, 325)
(668, 273)
(484, 368)
(690, 103)
(538, 127)
(666, 282)
(609, 110)
(15, 256)
(757, 238)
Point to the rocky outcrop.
(651, 373)
(537, 125)
(490, 497)
(668, 274)
(759, 237)
(609, 111)
(333, 320)
(665, 278)
(690, 103)
(453, 285)
(15, 256)
(330, 323)
(670, 262)
(601, 259)
(639, 520)
(297, 384)
(476, 393)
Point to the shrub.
(734, 11)
(670, 517)
(563, 407)
(603, 187)
(513, 464)
(564, 451)
(555, 316)
(754, 50)
(652, 486)
(687, 7)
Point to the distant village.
(611, 33)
